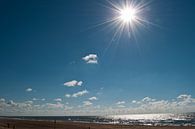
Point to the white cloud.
(58, 99)
(184, 97)
(29, 102)
(73, 83)
(11, 103)
(28, 89)
(147, 99)
(80, 93)
(43, 99)
(91, 59)
(67, 95)
(180, 104)
(93, 98)
(120, 102)
(87, 103)
(2, 100)
(121, 106)
(55, 105)
(36, 99)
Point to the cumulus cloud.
(55, 105)
(179, 104)
(120, 102)
(93, 98)
(121, 106)
(58, 99)
(67, 95)
(36, 99)
(73, 83)
(91, 59)
(147, 99)
(43, 99)
(28, 89)
(87, 103)
(2, 100)
(150, 105)
(11, 103)
(29, 102)
(80, 93)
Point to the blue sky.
(45, 44)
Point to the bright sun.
(128, 14)
(127, 17)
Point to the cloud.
(184, 97)
(36, 99)
(120, 102)
(2, 100)
(87, 103)
(91, 59)
(55, 105)
(58, 99)
(28, 89)
(29, 102)
(181, 103)
(73, 83)
(93, 98)
(43, 99)
(147, 99)
(11, 103)
(80, 93)
(67, 95)
(150, 105)
(121, 106)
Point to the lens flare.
(127, 17)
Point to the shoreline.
(52, 124)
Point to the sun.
(128, 15)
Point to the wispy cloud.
(58, 99)
(87, 103)
(67, 95)
(179, 104)
(2, 100)
(80, 93)
(55, 105)
(73, 83)
(36, 99)
(120, 102)
(93, 98)
(91, 59)
(29, 89)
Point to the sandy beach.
(32, 124)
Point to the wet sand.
(32, 124)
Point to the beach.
(35, 124)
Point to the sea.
(185, 119)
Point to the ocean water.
(187, 119)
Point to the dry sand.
(30, 124)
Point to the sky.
(58, 58)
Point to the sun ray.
(128, 16)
